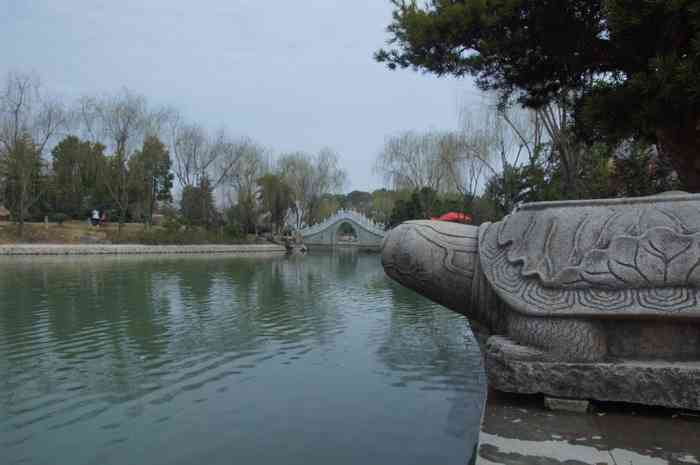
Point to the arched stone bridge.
(368, 233)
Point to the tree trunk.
(681, 146)
(122, 217)
(151, 200)
(20, 227)
(22, 207)
(122, 220)
(205, 211)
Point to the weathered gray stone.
(128, 249)
(566, 405)
(596, 288)
(93, 240)
(660, 383)
(517, 430)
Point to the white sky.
(293, 75)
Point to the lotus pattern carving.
(633, 248)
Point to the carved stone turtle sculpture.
(587, 299)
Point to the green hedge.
(180, 236)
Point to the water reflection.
(182, 360)
(436, 350)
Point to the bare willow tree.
(29, 120)
(494, 141)
(243, 183)
(197, 155)
(414, 160)
(309, 177)
(527, 130)
(297, 169)
(465, 157)
(192, 154)
(329, 176)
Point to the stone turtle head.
(435, 258)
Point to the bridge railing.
(348, 215)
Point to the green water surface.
(212, 360)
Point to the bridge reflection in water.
(368, 234)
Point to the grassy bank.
(80, 232)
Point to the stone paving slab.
(518, 430)
(129, 249)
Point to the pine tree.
(631, 68)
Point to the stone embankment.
(518, 430)
(129, 249)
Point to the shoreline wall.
(127, 249)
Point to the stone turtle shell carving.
(614, 258)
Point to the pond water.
(210, 360)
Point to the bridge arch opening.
(346, 233)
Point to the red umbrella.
(454, 217)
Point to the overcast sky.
(294, 75)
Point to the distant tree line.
(502, 157)
(121, 155)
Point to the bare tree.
(492, 143)
(227, 154)
(243, 183)
(466, 156)
(530, 130)
(309, 177)
(556, 119)
(192, 153)
(412, 160)
(527, 129)
(29, 120)
(548, 127)
(120, 122)
(297, 170)
(329, 176)
(485, 137)
(85, 119)
(198, 155)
